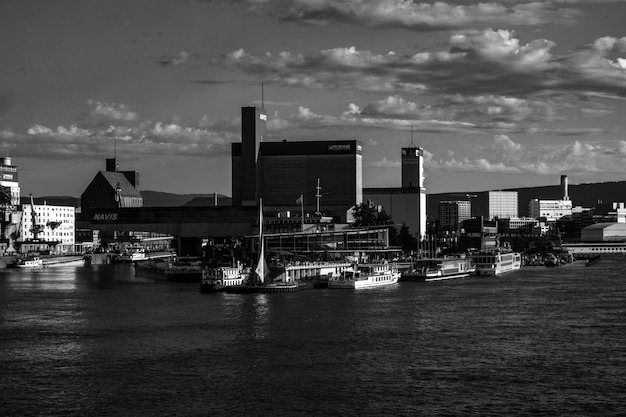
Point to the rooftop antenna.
(412, 144)
(262, 96)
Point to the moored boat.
(496, 262)
(219, 278)
(365, 276)
(184, 270)
(437, 269)
(30, 262)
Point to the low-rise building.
(604, 232)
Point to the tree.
(407, 241)
(369, 214)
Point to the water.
(97, 341)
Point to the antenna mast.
(318, 195)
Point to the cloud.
(504, 155)
(109, 123)
(476, 63)
(385, 163)
(111, 111)
(176, 60)
(412, 15)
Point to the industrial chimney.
(564, 192)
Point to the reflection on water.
(98, 341)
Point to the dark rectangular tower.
(245, 155)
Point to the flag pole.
(302, 210)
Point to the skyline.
(500, 94)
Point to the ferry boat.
(437, 269)
(496, 262)
(30, 262)
(219, 278)
(365, 276)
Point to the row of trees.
(369, 214)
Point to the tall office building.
(412, 167)
(245, 179)
(492, 204)
(289, 169)
(406, 204)
(452, 214)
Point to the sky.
(499, 94)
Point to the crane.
(37, 228)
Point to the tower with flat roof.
(245, 156)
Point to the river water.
(98, 341)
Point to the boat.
(496, 262)
(131, 255)
(30, 262)
(365, 276)
(259, 280)
(308, 274)
(437, 269)
(184, 270)
(219, 278)
(173, 269)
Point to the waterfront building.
(9, 183)
(406, 204)
(495, 204)
(111, 188)
(604, 232)
(609, 212)
(244, 156)
(452, 214)
(550, 210)
(9, 202)
(327, 175)
(529, 225)
(48, 223)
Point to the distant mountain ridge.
(150, 199)
(585, 195)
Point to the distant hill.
(585, 195)
(53, 201)
(161, 199)
(150, 199)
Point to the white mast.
(261, 267)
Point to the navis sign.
(105, 217)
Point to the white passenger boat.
(30, 262)
(496, 262)
(219, 278)
(437, 269)
(366, 275)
